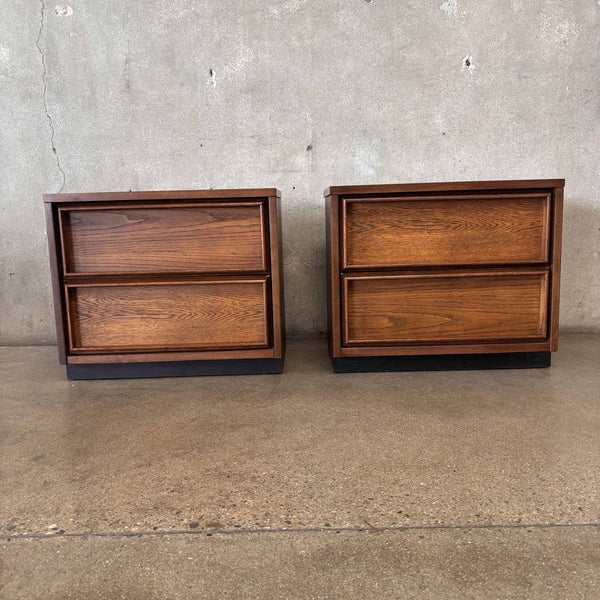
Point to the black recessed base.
(187, 368)
(441, 362)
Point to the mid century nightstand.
(167, 283)
(444, 275)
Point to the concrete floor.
(478, 484)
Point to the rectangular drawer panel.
(162, 316)
(444, 307)
(212, 238)
(449, 230)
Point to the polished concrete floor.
(467, 484)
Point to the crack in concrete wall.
(44, 98)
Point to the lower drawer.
(163, 316)
(444, 307)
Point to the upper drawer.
(182, 238)
(445, 230)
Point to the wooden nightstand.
(444, 275)
(167, 283)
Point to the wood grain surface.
(449, 306)
(214, 238)
(453, 230)
(140, 317)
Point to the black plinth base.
(187, 368)
(441, 362)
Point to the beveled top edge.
(444, 186)
(241, 194)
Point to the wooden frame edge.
(468, 348)
(277, 286)
(556, 250)
(174, 356)
(54, 244)
(332, 246)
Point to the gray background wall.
(303, 94)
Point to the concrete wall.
(296, 94)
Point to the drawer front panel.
(168, 316)
(454, 230)
(444, 307)
(211, 238)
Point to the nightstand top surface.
(448, 186)
(243, 194)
